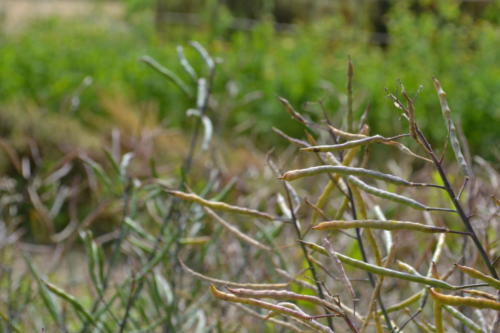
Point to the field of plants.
(273, 166)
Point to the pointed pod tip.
(214, 291)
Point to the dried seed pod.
(379, 224)
(481, 303)
(217, 205)
(234, 284)
(480, 276)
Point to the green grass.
(46, 63)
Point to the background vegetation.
(46, 62)
(94, 143)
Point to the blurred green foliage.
(46, 62)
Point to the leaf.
(70, 299)
(168, 74)
(52, 305)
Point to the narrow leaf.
(168, 74)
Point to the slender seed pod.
(393, 196)
(345, 145)
(481, 303)
(303, 317)
(285, 295)
(217, 205)
(479, 293)
(379, 224)
(438, 316)
(400, 146)
(452, 131)
(405, 303)
(265, 317)
(480, 276)
(346, 135)
(393, 273)
(290, 109)
(234, 284)
(345, 170)
(463, 319)
(315, 247)
(236, 231)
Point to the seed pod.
(217, 205)
(393, 196)
(345, 145)
(481, 303)
(455, 144)
(236, 231)
(400, 146)
(284, 295)
(281, 309)
(345, 170)
(393, 273)
(234, 284)
(385, 194)
(379, 224)
(463, 319)
(480, 276)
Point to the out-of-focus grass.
(46, 63)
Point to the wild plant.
(469, 287)
(332, 246)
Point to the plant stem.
(365, 259)
(458, 206)
(312, 269)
